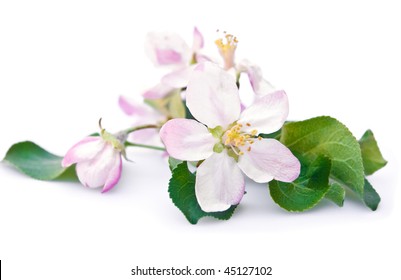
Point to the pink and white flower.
(226, 139)
(170, 50)
(98, 161)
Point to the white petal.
(178, 78)
(95, 172)
(268, 159)
(212, 96)
(259, 84)
(198, 42)
(219, 183)
(187, 139)
(85, 149)
(267, 114)
(167, 49)
(158, 91)
(114, 173)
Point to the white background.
(63, 65)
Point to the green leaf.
(370, 196)
(336, 193)
(182, 193)
(37, 163)
(327, 136)
(173, 163)
(306, 191)
(275, 135)
(371, 155)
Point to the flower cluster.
(196, 116)
(221, 135)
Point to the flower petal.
(158, 91)
(167, 49)
(187, 139)
(85, 149)
(212, 96)
(260, 86)
(95, 172)
(198, 40)
(149, 136)
(114, 173)
(219, 183)
(179, 78)
(131, 107)
(267, 114)
(269, 159)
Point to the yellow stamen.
(227, 46)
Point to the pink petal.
(131, 107)
(198, 40)
(167, 49)
(166, 57)
(114, 173)
(219, 183)
(148, 136)
(267, 114)
(95, 172)
(157, 92)
(86, 149)
(260, 86)
(212, 96)
(187, 139)
(269, 159)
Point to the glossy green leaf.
(173, 163)
(371, 155)
(336, 193)
(38, 163)
(306, 191)
(327, 136)
(182, 193)
(370, 196)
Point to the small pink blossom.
(98, 161)
(227, 139)
(170, 50)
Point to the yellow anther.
(227, 45)
(254, 132)
(248, 124)
(260, 138)
(249, 149)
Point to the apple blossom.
(170, 50)
(227, 139)
(98, 160)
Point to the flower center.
(236, 139)
(227, 45)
